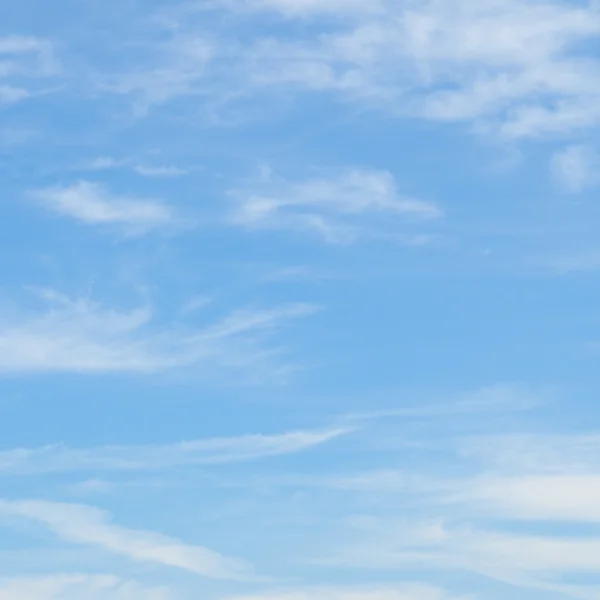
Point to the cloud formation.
(82, 336)
(90, 203)
(545, 481)
(335, 208)
(77, 587)
(518, 69)
(52, 459)
(79, 524)
(399, 592)
(576, 168)
(23, 60)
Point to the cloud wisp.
(106, 587)
(76, 587)
(178, 67)
(59, 458)
(359, 592)
(85, 337)
(23, 60)
(337, 208)
(576, 168)
(89, 526)
(517, 69)
(454, 61)
(92, 204)
(104, 163)
(547, 482)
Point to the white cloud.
(306, 8)
(576, 168)
(522, 454)
(10, 94)
(85, 525)
(549, 478)
(198, 452)
(92, 204)
(493, 398)
(510, 64)
(566, 497)
(23, 58)
(480, 521)
(77, 587)
(11, 46)
(159, 171)
(521, 560)
(180, 66)
(80, 336)
(582, 261)
(520, 69)
(103, 163)
(359, 592)
(334, 207)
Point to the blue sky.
(299, 300)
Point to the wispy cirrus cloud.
(452, 61)
(178, 67)
(92, 204)
(576, 168)
(59, 458)
(159, 171)
(81, 336)
(359, 592)
(103, 163)
(488, 399)
(438, 60)
(336, 208)
(305, 8)
(523, 560)
(24, 54)
(89, 526)
(567, 497)
(76, 587)
(24, 59)
(536, 483)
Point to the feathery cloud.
(519, 69)
(92, 204)
(307, 8)
(576, 168)
(76, 587)
(59, 458)
(455, 61)
(85, 525)
(22, 60)
(181, 64)
(103, 163)
(548, 481)
(359, 592)
(81, 336)
(336, 208)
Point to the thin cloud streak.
(59, 458)
(89, 526)
(399, 592)
(444, 61)
(576, 168)
(90, 203)
(85, 337)
(77, 586)
(335, 208)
